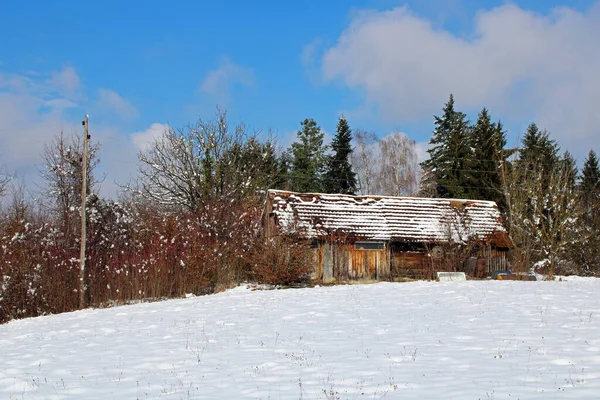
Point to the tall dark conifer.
(284, 166)
(588, 252)
(488, 146)
(308, 162)
(450, 156)
(339, 177)
(538, 148)
(538, 155)
(590, 176)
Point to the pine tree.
(488, 143)
(590, 176)
(284, 166)
(568, 166)
(450, 156)
(258, 165)
(308, 158)
(541, 197)
(339, 177)
(538, 148)
(588, 252)
(538, 155)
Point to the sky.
(138, 67)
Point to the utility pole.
(86, 137)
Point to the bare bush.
(281, 260)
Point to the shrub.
(282, 260)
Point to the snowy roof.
(406, 219)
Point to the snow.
(418, 340)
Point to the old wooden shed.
(378, 237)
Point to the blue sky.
(387, 65)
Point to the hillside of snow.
(419, 340)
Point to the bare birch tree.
(363, 160)
(385, 167)
(397, 172)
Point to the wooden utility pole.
(86, 137)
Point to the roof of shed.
(406, 219)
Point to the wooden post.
(83, 212)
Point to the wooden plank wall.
(419, 265)
(411, 264)
(495, 259)
(342, 262)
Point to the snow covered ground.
(420, 340)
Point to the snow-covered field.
(420, 340)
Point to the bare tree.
(189, 167)
(541, 213)
(387, 166)
(4, 181)
(363, 160)
(62, 171)
(427, 183)
(397, 175)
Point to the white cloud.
(65, 81)
(36, 107)
(522, 65)
(421, 151)
(110, 102)
(309, 52)
(143, 139)
(30, 113)
(219, 82)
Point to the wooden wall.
(343, 262)
(491, 260)
(411, 264)
(415, 261)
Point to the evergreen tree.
(538, 155)
(308, 158)
(339, 177)
(284, 165)
(258, 164)
(538, 149)
(568, 166)
(590, 176)
(450, 156)
(488, 143)
(587, 253)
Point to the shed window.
(369, 245)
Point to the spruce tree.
(538, 155)
(284, 166)
(590, 176)
(538, 148)
(568, 166)
(339, 177)
(308, 162)
(588, 252)
(450, 156)
(488, 141)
